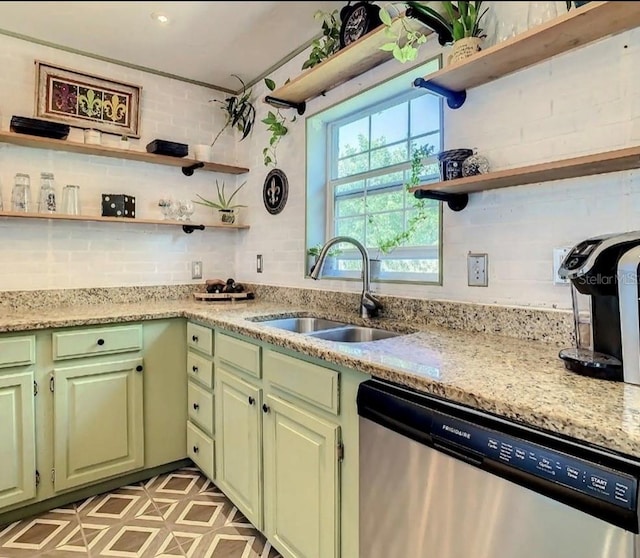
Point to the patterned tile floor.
(172, 515)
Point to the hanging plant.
(239, 112)
(276, 125)
(329, 43)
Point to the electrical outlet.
(259, 263)
(558, 257)
(196, 270)
(477, 270)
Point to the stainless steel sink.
(354, 334)
(303, 325)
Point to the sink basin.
(303, 325)
(354, 334)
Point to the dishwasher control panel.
(595, 481)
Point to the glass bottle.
(21, 193)
(540, 12)
(47, 203)
(71, 200)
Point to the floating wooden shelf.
(96, 218)
(351, 61)
(587, 165)
(25, 140)
(576, 28)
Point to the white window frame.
(331, 166)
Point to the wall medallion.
(275, 191)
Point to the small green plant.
(239, 112)
(329, 43)
(276, 125)
(223, 202)
(315, 251)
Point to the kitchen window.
(368, 165)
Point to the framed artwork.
(87, 101)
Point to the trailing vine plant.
(329, 43)
(276, 125)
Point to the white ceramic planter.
(228, 216)
(202, 152)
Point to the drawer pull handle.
(194, 338)
(196, 406)
(195, 369)
(265, 408)
(139, 368)
(251, 400)
(196, 449)
(100, 342)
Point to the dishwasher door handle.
(458, 453)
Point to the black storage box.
(41, 128)
(171, 148)
(118, 205)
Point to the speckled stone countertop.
(517, 379)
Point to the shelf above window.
(576, 28)
(25, 140)
(99, 219)
(456, 191)
(348, 63)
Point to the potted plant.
(312, 257)
(124, 142)
(239, 113)
(324, 47)
(226, 211)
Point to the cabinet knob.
(196, 449)
(251, 400)
(195, 369)
(196, 406)
(100, 342)
(139, 368)
(194, 338)
(265, 408)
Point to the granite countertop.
(520, 380)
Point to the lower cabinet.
(98, 421)
(17, 438)
(239, 436)
(301, 481)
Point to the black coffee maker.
(592, 268)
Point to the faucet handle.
(370, 305)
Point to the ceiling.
(204, 42)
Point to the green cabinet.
(301, 481)
(98, 421)
(239, 441)
(17, 438)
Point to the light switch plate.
(558, 257)
(477, 267)
(259, 263)
(196, 270)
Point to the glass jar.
(540, 12)
(71, 200)
(21, 193)
(47, 202)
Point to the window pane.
(425, 115)
(383, 227)
(353, 137)
(410, 266)
(390, 125)
(425, 231)
(432, 140)
(349, 206)
(353, 227)
(385, 201)
(387, 156)
(350, 187)
(393, 178)
(353, 165)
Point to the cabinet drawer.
(200, 450)
(200, 338)
(200, 369)
(311, 383)
(239, 353)
(200, 407)
(17, 351)
(88, 342)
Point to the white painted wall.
(56, 254)
(578, 103)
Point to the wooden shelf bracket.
(455, 99)
(188, 229)
(456, 202)
(281, 103)
(188, 171)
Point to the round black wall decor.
(275, 191)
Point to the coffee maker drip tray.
(590, 363)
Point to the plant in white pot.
(227, 212)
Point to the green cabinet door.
(17, 439)
(239, 444)
(98, 421)
(301, 481)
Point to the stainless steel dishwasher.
(440, 480)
